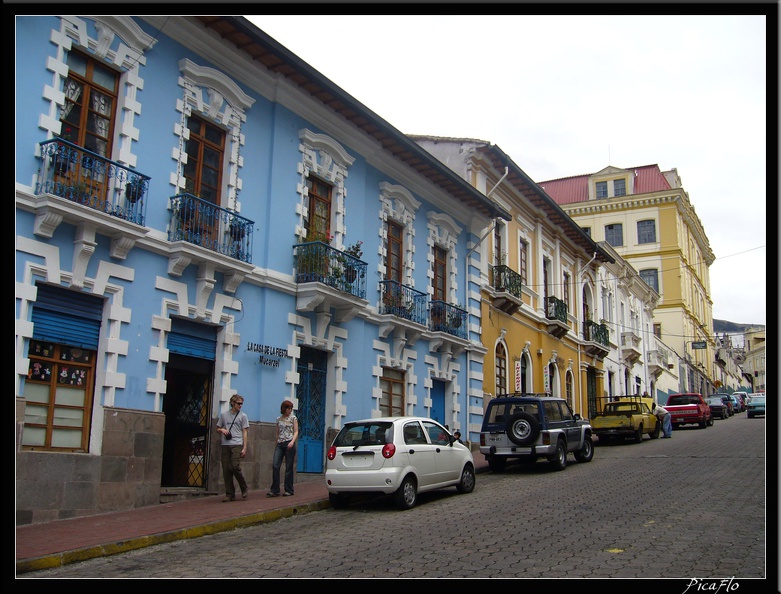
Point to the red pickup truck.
(689, 408)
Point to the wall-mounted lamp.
(539, 351)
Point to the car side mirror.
(576, 416)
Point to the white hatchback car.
(400, 455)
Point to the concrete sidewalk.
(52, 544)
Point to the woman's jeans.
(289, 455)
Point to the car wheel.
(338, 500)
(703, 423)
(586, 453)
(710, 421)
(749, 415)
(657, 430)
(523, 429)
(407, 494)
(559, 459)
(639, 434)
(467, 482)
(496, 464)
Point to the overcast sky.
(570, 95)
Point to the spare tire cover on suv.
(523, 428)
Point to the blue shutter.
(67, 317)
(191, 339)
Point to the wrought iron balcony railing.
(445, 317)
(504, 278)
(86, 178)
(403, 301)
(202, 223)
(596, 332)
(556, 309)
(316, 261)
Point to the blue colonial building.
(200, 213)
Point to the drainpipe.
(582, 270)
(466, 299)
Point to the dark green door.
(591, 391)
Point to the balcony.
(597, 339)
(556, 314)
(211, 227)
(329, 278)
(83, 177)
(86, 190)
(658, 361)
(448, 318)
(630, 347)
(507, 287)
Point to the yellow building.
(539, 274)
(646, 216)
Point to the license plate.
(361, 460)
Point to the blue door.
(311, 409)
(438, 401)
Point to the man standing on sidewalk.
(233, 425)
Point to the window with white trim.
(651, 277)
(646, 231)
(614, 234)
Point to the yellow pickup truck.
(626, 417)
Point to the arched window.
(500, 365)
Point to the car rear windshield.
(370, 433)
(685, 399)
(501, 412)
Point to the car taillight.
(387, 450)
(482, 439)
(331, 453)
(545, 438)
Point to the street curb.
(78, 555)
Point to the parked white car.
(399, 455)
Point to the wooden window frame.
(439, 277)
(62, 368)
(86, 108)
(392, 384)
(394, 249)
(524, 262)
(320, 204)
(197, 167)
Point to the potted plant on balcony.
(134, 189)
(237, 230)
(356, 251)
(455, 316)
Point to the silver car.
(402, 456)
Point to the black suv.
(529, 426)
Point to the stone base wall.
(55, 486)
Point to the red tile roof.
(568, 190)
